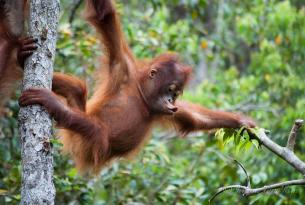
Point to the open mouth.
(171, 107)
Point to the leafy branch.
(286, 153)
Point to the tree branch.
(286, 153)
(283, 152)
(246, 191)
(293, 133)
(245, 171)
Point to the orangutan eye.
(172, 88)
(176, 94)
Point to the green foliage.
(254, 52)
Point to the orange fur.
(11, 28)
(133, 96)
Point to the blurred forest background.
(248, 56)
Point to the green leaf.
(255, 143)
(228, 133)
(238, 136)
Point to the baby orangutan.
(133, 96)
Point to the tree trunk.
(35, 125)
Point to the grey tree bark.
(35, 125)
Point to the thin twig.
(249, 192)
(246, 191)
(245, 171)
(226, 188)
(293, 134)
(75, 6)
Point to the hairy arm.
(67, 118)
(191, 117)
(119, 59)
(5, 54)
(72, 89)
(103, 16)
(11, 28)
(94, 140)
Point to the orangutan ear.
(152, 73)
